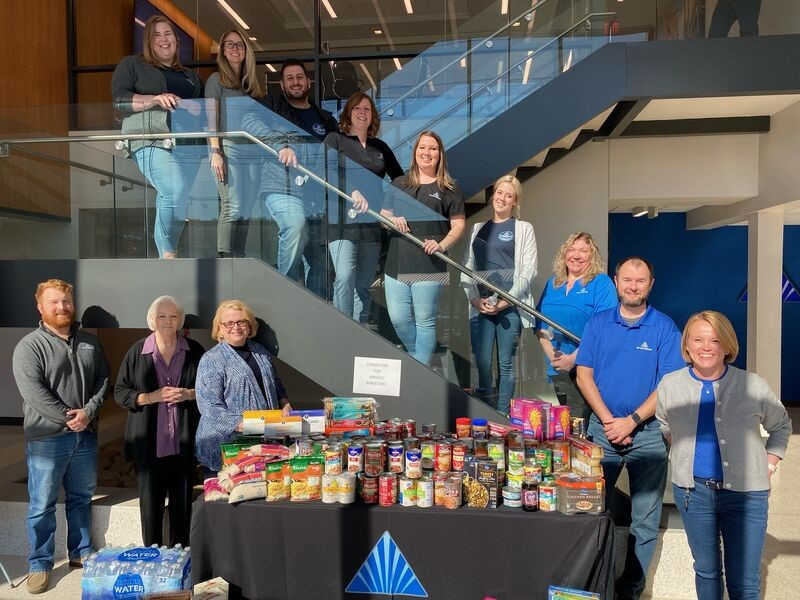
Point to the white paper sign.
(376, 376)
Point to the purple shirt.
(167, 437)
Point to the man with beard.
(624, 353)
(293, 201)
(62, 376)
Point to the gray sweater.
(55, 375)
(743, 402)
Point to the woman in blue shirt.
(579, 289)
(502, 251)
(712, 414)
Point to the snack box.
(488, 475)
(349, 432)
(587, 452)
(313, 421)
(271, 423)
(581, 467)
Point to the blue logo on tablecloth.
(386, 571)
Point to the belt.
(714, 484)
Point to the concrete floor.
(672, 578)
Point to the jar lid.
(479, 422)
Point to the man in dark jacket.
(295, 202)
(62, 376)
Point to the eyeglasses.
(229, 325)
(232, 45)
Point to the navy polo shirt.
(629, 360)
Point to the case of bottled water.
(115, 573)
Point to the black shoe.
(76, 563)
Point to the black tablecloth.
(312, 550)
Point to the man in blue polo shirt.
(624, 353)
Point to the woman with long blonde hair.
(578, 289)
(234, 163)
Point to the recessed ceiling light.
(271, 68)
(517, 24)
(504, 7)
(409, 8)
(329, 8)
(397, 64)
(639, 211)
(378, 31)
(233, 14)
(253, 38)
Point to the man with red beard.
(62, 376)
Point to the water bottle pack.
(117, 573)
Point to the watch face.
(636, 418)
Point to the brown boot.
(38, 581)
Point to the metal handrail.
(491, 82)
(5, 145)
(464, 55)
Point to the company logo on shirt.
(380, 155)
(506, 236)
(434, 195)
(318, 128)
(644, 346)
(582, 291)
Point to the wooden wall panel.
(103, 31)
(34, 69)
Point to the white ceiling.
(703, 108)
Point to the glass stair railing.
(115, 212)
(456, 87)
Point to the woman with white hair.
(156, 384)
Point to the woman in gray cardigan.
(712, 413)
(153, 92)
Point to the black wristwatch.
(636, 418)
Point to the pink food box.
(532, 416)
(558, 423)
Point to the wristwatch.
(636, 418)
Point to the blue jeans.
(740, 519)
(71, 460)
(169, 177)
(504, 329)
(646, 461)
(355, 263)
(412, 309)
(300, 256)
(237, 196)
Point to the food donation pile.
(541, 461)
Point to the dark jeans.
(728, 12)
(156, 479)
(646, 461)
(740, 520)
(503, 330)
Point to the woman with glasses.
(234, 162)
(156, 384)
(154, 93)
(413, 277)
(234, 376)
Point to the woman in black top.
(354, 241)
(148, 89)
(413, 277)
(156, 385)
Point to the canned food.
(516, 439)
(428, 448)
(481, 447)
(514, 480)
(411, 442)
(380, 428)
(459, 453)
(429, 428)
(304, 446)
(333, 459)
(387, 489)
(497, 452)
(530, 495)
(394, 431)
(532, 470)
(511, 493)
(452, 492)
(544, 456)
(329, 492)
(516, 460)
(548, 497)
(443, 456)
(409, 427)
(355, 457)
(346, 488)
(425, 492)
(394, 457)
(413, 463)
(369, 489)
(578, 426)
(373, 459)
(407, 491)
(512, 503)
(439, 481)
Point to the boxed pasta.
(558, 423)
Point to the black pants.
(157, 479)
(728, 12)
